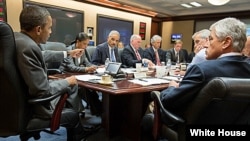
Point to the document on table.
(175, 78)
(149, 81)
(133, 70)
(87, 77)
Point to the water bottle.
(168, 66)
(106, 62)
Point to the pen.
(143, 80)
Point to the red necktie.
(157, 58)
(138, 55)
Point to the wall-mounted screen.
(106, 24)
(3, 12)
(66, 24)
(175, 37)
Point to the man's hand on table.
(71, 80)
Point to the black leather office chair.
(223, 101)
(17, 117)
(53, 66)
(89, 52)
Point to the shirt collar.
(154, 49)
(230, 54)
(133, 48)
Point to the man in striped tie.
(133, 53)
(155, 53)
(107, 49)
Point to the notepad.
(149, 81)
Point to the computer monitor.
(175, 37)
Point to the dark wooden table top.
(118, 87)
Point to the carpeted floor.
(61, 135)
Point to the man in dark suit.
(107, 50)
(36, 23)
(155, 53)
(177, 54)
(224, 59)
(133, 53)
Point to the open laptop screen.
(113, 68)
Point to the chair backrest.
(120, 50)
(90, 51)
(56, 46)
(221, 101)
(14, 109)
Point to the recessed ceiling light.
(186, 5)
(196, 4)
(218, 2)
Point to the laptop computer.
(113, 68)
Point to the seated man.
(177, 54)
(36, 23)
(155, 53)
(82, 64)
(201, 39)
(107, 50)
(224, 60)
(133, 53)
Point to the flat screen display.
(106, 24)
(175, 37)
(66, 23)
(113, 68)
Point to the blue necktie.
(112, 55)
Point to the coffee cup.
(160, 71)
(183, 67)
(138, 67)
(106, 78)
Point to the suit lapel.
(132, 51)
(152, 53)
(75, 59)
(116, 55)
(107, 51)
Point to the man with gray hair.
(224, 59)
(133, 53)
(155, 53)
(201, 40)
(107, 49)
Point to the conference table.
(124, 104)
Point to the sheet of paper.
(149, 81)
(128, 70)
(133, 70)
(175, 78)
(100, 70)
(87, 77)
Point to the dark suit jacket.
(150, 54)
(31, 62)
(191, 56)
(177, 99)
(129, 58)
(102, 53)
(183, 55)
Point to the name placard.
(140, 75)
